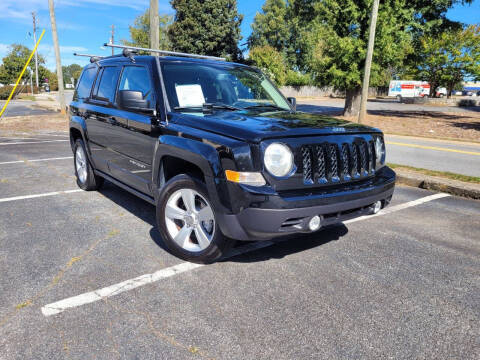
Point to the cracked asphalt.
(403, 285)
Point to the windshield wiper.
(220, 106)
(268, 106)
(207, 107)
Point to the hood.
(255, 126)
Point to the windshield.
(192, 85)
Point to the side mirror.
(293, 102)
(133, 101)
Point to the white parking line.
(15, 198)
(32, 142)
(35, 160)
(96, 295)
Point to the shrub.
(297, 79)
(6, 90)
(271, 62)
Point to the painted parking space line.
(436, 148)
(31, 142)
(34, 196)
(35, 160)
(399, 207)
(109, 291)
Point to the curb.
(454, 187)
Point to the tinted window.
(86, 82)
(108, 84)
(136, 78)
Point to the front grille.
(330, 163)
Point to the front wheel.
(187, 222)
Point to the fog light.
(315, 223)
(375, 208)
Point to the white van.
(408, 89)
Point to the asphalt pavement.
(377, 106)
(85, 275)
(23, 108)
(441, 155)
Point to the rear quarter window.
(84, 86)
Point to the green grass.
(442, 174)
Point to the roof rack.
(93, 58)
(165, 52)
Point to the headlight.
(380, 150)
(278, 160)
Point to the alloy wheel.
(189, 220)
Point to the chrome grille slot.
(330, 163)
(333, 163)
(307, 165)
(321, 165)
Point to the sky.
(84, 25)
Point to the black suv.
(220, 152)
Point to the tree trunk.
(353, 102)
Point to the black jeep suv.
(220, 152)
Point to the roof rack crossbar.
(165, 52)
(93, 58)
(88, 55)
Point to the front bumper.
(290, 214)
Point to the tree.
(270, 26)
(140, 30)
(14, 62)
(334, 45)
(71, 71)
(449, 58)
(206, 27)
(332, 39)
(271, 62)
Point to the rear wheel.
(399, 98)
(187, 221)
(86, 178)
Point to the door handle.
(112, 120)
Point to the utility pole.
(112, 38)
(368, 62)
(61, 93)
(154, 26)
(34, 16)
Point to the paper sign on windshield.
(190, 95)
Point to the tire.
(86, 178)
(187, 223)
(399, 98)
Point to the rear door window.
(108, 84)
(137, 78)
(84, 86)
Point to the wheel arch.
(175, 155)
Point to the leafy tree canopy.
(271, 62)
(14, 62)
(206, 27)
(270, 28)
(71, 71)
(449, 57)
(140, 31)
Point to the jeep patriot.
(220, 152)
